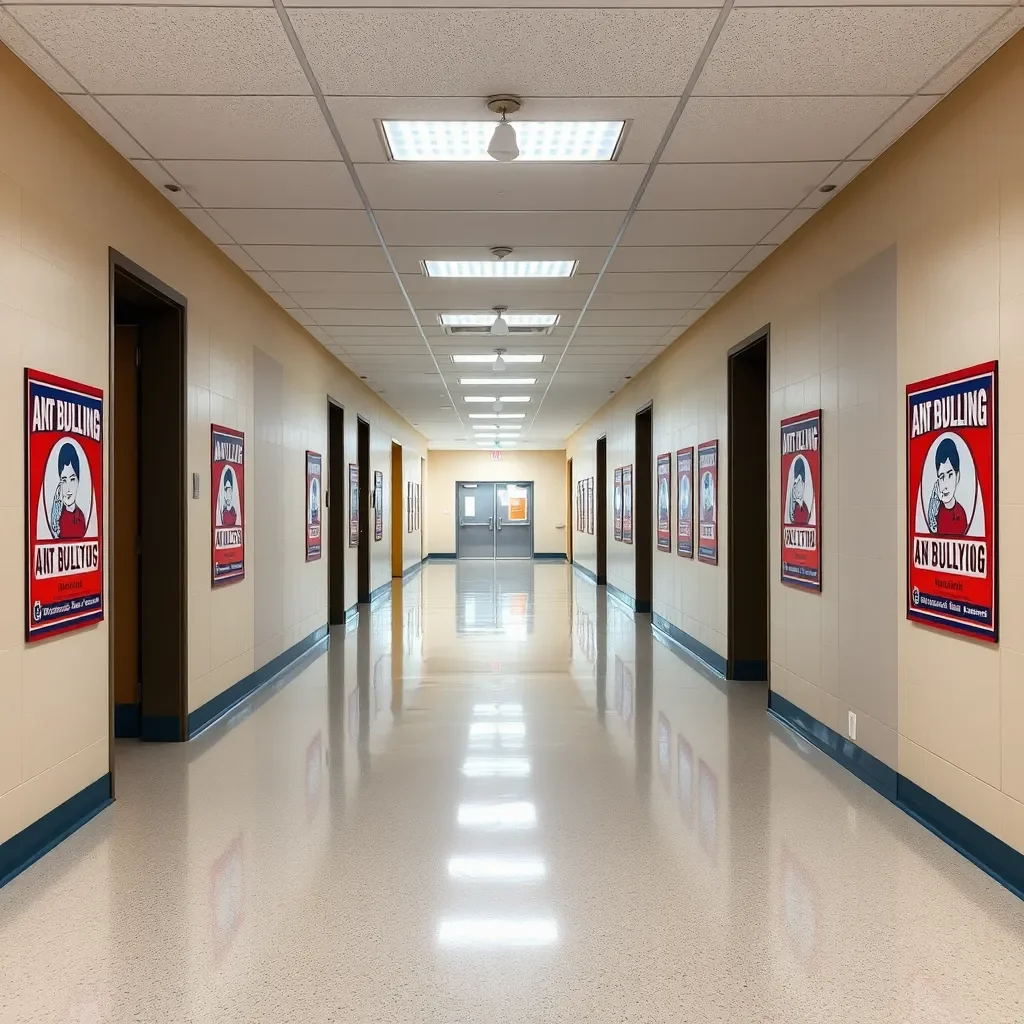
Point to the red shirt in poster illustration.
(801, 495)
(707, 467)
(684, 502)
(951, 501)
(63, 504)
(227, 476)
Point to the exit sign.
(495, 455)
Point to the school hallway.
(500, 797)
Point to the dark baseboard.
(549, 556)
(749, 671)
(584, 571)
(209, 712)
(441, 556)
(384, 590)
(621, 596)
(643, 607)
(31, 843)
(712, 659)
(996, 858)
(160, 728)
(126, 721)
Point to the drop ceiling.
(268, 117)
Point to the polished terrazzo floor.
(500, 799)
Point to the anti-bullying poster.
(353, 505)
(664, 502)
(227, 494)
(314, 466)
(627, 504)
(378, 505)
(590, 505)
(63, 505)
(951, 502)
(617, 499)
(684, 501)
(707, 468)
(801, 497)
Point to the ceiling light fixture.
(499, 363)
(499, 329)
(475, 358)
(491, 416)
(499, 268)
(514, 398)
(485, 426)
(479, 398)
(486, 382)
(497, 407)
(504, 146)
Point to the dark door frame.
(601, 524)
(643, 513)
(172, 721)
(337, 527)
(365, 487)
(570, 519)
(741, 668)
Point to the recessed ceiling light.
(496, 416)
(480, 358)
(514, 398)
(486, 319)
(485, 426)
(484, 381)
(479, 398)
(468, 140)
(496, 268)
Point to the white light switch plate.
(851, 725)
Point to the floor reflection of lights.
(496, 767)
(518, 814)
(497, 869)
(497, 710)
(493, 932)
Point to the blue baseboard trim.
(584, 571)
(621, 596)
(549, 556)
(160, 728)
(987, 852)
(39, 838)
(442, 556)
(712, 659)
(384, 590)
(126, 721)
(413, 569)
(209, 712)
(750, 671)
(351, 615)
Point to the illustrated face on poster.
(801, 486)
(684, 501)
(64, 493)
(707, 463)
(664, 502)
(951, 472)
(227, 471)
(627, 504)
(314, 469)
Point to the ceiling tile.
(22, 45)
(274, 184)
(841, 177)
(642, 259)
(700, 227)
(209, 227)
(644, 300)
(320, 258)
(837, 50)
(626, 320)
(240, 256)
(776, 128)
(486, 228)
(106, 125)
(466, 52)
(693, 281)
(754, 257)
(388, 318)
(495, 186)
(226, 127)
(957, 70)
(313, 301)
(127, 49)
(788, 225)
(296, 227)
(901, 121)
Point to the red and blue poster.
(801, 500)
(665, 502)
(63, 505)
(227, 496)
(684, 502)
(707, 468)
(951, 502)
(617, 501)
(314, 470)
(627, 504)
(353, 505)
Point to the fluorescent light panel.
(514, 398)
(479, 398)
(468, 140)
(491, 358)
(499, 268)
(486, 319)
(496, 415)
(477, 382)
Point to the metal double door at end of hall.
(495, 520)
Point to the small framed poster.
(63, 505)
(952, 522)
(684, 502)
(707, 468)
(408, 508)
(617, 499)
(378, 505)
(665, 502)
(579, 506)
(627, 504)
(801, 500)
(416, 506)
(314, 467)
(227, 499)
(590, 505)
(353, 505)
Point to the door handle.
(499, 522)
(490, 523)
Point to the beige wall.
(545, 468)
(65, 197)
(947, 202)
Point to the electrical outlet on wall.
(851, 725)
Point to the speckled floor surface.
(530, 811)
